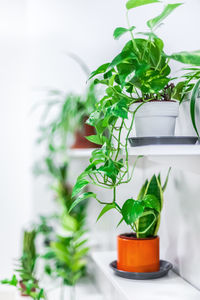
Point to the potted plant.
(27, 283)
(139, 78)
(65, 255)
(67, 127)
(139, 251)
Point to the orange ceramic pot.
(138, 255)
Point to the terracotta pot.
(81, 141)
(23, 289)
(138, 255)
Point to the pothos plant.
(139, 73)
(26, 281)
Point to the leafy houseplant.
(27, 282)
(66, 253)
(140, 76)
(143, 217)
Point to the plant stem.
(114, 194)
(132, 37)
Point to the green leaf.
(81, 198)
(106, 208)
(191, 58)
(120, 109)
(12, 282)
(193, 105)
(93, 118)
(80, 184)
(166, 12)
(123, 56)
(122, 219)
(166, 180)
(100, 70)
(179, 91)
(142, 190)
(135, 3)
(152, 201)
(119, 31)
(132, 210)
(96, 139)
(69, 223)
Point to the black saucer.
(165, 266)
(162, 140)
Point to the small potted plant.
(139, 78)
(67, 127)
(27, 283)
(139, 251)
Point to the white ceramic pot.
(156, 118)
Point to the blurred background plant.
(63, 234)
(26, 281)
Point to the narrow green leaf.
(191, 58)
(142, 190)
(119, 31)
(135, 3)
(122, 219)
(106, 208)
(193, 105)
(166, 180)
(80, 184)
(166, 12)
(81, 198)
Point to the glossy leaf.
(142, 191)
(80, 184)
(100, 70)
(120, 109)
(135, 3)
(132, 210)
(191, 58)
(193, 105)
(106, 208)
(123, 56)
(96, 139)
(151, 201)
(119, 31)
(165, 13)
(82, 197)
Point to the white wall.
(34, 42)
(15, 134)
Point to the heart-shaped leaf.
(132, 211)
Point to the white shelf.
(165, 150)
(85, 290)
(184, 157)
(170, 287)
(80, 153)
